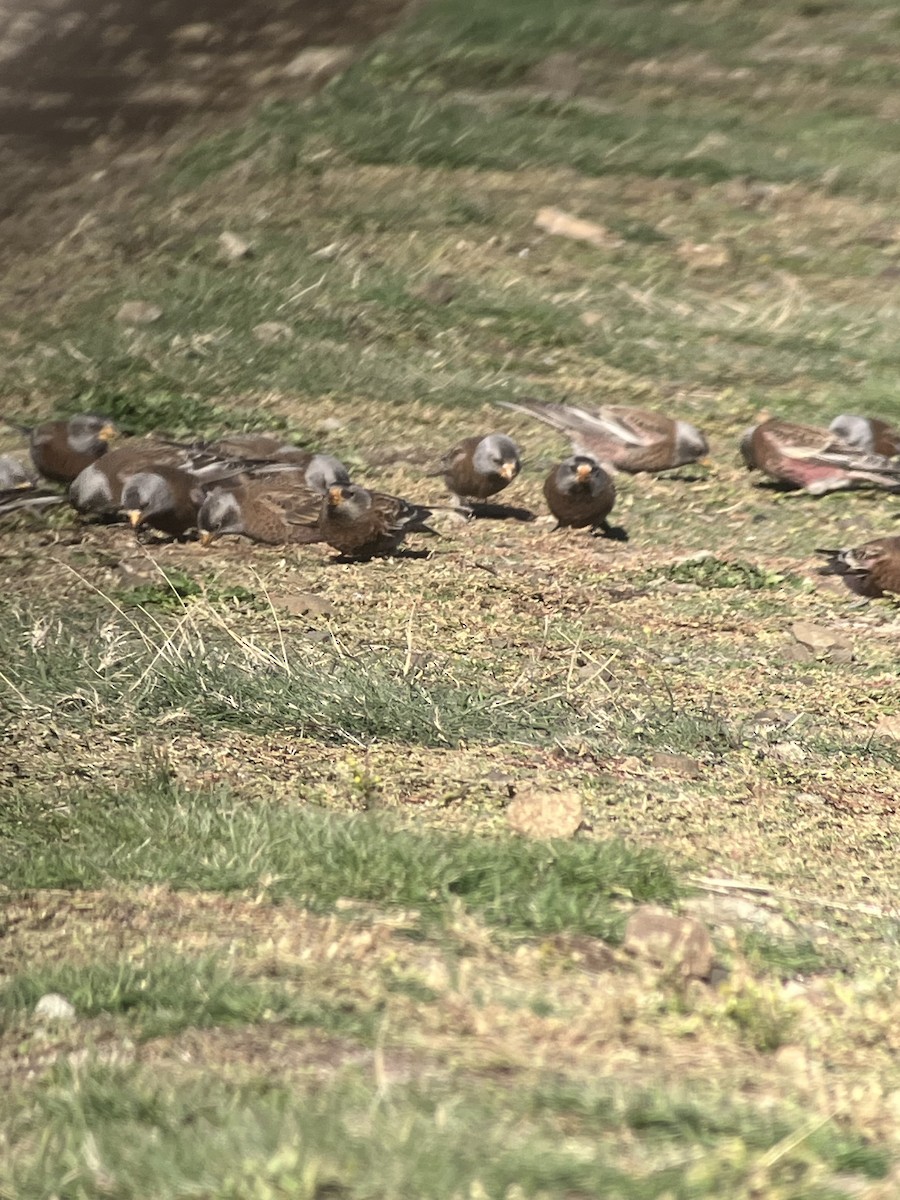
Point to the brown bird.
(270, 447)
(478, 467)
(867, 434)
(61, 449)
(362, 524)
(580, 493)
(165, 498)
(629, 439)
(98, 488)
(260, 451)
(869, 570)
(13, 474)
(277, 510)
(817, 460)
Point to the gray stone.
(680, 945)
(138, 312)
(319, 63)
(53, 1007)
(817, 639)
(233, 247)
(270, 332)
(677, 764)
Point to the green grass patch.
(105, 1130)
(177, 588)
(786, 958)
(157, 832)
(137, 410)
(163, 996)
(712, 572)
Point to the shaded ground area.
(72, 73)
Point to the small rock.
(318, 64)
(704, 256)
(679, 944)
(330, 425)
(794, 652)
(438, 291)
(818, 639)
(539, 814)
(53, 1007)
(595, 671)
(562, 224)
(270, 332)
(774, 716)
(787, 752)
(590, 318)
(233, 247)
(138, 312)
(677, 764)
(590, 954)
(303, 604)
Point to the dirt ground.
(86, 85)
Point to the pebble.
(53, 1007)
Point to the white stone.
(53, 1007)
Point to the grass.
(104, 1129)
(156, 832)
(320, 874)
(162, 997)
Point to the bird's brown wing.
(636, 426)
(367, 531)
(459, 458)
(817, 460)
(301, 508)
(885, 438)
(279, 510)
(401, 515)
(799, 441)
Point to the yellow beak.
(508, 470)
(583, 471)
(335, 496)
(207, 537)
(107, 433)
(135, 516)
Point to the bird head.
(497, 454)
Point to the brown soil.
(85, 84)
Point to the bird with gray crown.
(479, 467)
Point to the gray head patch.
(325, 471)
(84, 432)
(493, 451)
(91, 491)
(690, 444)
(856, 431)
(146, 492)
(220, 513)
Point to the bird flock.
(258, 486)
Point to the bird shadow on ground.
(612, 533)
(500, 512)
(338, 560)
